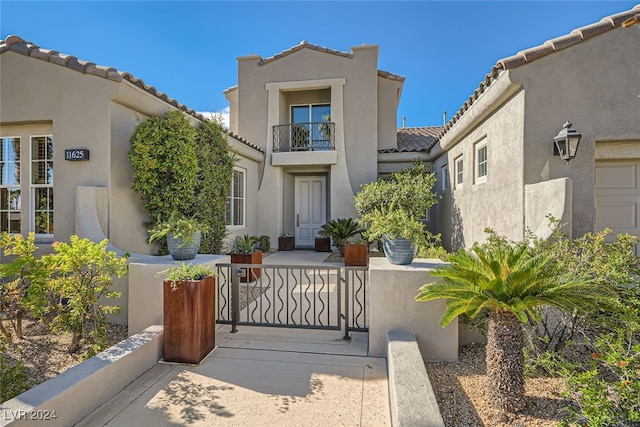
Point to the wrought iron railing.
(316, 136)
(315, 297)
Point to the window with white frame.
(459, 173)
(10, 195)
(444, 174)
(236, 200)
(42, 184)
(481, 162)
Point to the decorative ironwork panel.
(315, 136)
(314, 297)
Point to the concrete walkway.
(262, 377)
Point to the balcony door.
(311, 208)
(306, 135)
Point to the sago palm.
(510, 284)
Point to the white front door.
(311, 208)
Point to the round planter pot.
(185, 252)
(399, 251)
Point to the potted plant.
(322, 243)
(183, 236)
(400, 233)
(264, 243)
(356, 252)
(286, 242)
(340, 230)
(392, 207)
(188, 313)
(244, 250)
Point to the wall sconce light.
(565, 144)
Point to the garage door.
(618, 196)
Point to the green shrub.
(393, 207)
(13, 375)
(214, 181)
(604, 389)
(186, 272)
(21, 281)
(165, 166)
(265, 243)
(180, 228)
(409, 190)
(243, 245)
(184, 171)
(85, 273)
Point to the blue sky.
(188, 49)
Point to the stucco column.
(340, 190)
(270, 192)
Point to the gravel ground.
(45, 354)
(459, 389)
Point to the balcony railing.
(316, 136)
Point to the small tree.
(409, 190)
(393, 206)
(21, 280)
(511, 285)
(85, 273)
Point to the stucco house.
(310, 125)
(495, 158)
(65, 126)
(320, 116)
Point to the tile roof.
(304, 45)
(415, 139)
(17, 44)
(551, 46)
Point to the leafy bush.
(393, 206)
(243, 245)
(607, 392)
(165, 165)
(214, 182)
(186, 272)
(409, 190)
(84, 275)
(22, 280)
(13, 375)
(265, 243)
(181, 228)
(184, 171)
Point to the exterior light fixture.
(565, 144)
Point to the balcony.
(316, 136)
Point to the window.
(10, 197)
(312, 128)
(481, 162)
(445, 178)
(459, 172)
(42, 184)
(236, 200)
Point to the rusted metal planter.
(253, 258)
(356, 255)
(189, 321)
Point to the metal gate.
(293, 296)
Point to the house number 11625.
(76, 154)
